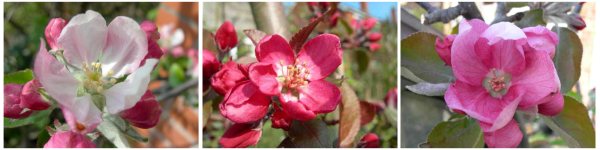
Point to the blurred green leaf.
(271, 137)
(391, 114)
(419, 56)
(42, 138)
(532, 18)
(510, 5)
(573, 124)
(349, 117)
(39, 118)
(362, 58)
(313, 133)
(460, 132)
(176, 75)
(19, 77)
(567, 58)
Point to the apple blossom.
(374, 37)
(226, 37)
(210, 66)
(69, 139)
(230, 75)
(368, 23)
(53, 30)
(152, 35)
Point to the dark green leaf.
(42, 138)
(510, 5)
(573, 124)
(19, 77)
(567, 58)
(532, 18)
(40, 119)
(362, 58)
(271, 137)
(457, 133)
(310, 134)
(418, 55)
(349, 117)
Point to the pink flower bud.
(31, 98)
(154, 50)
(374, 37)
(373, 47)
(230, 75)
(577, 22)
(280, 119)
(226, 37)
(210, 65)
(12, 100)
(53, 30)
(240, 135)
(368, 23)
(370, 140)
(69, 139)
(145, 114)
(442, 47)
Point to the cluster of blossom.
(91, 69)
(499, 69)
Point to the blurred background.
(415, 129)
(369, 67)
(174, 81)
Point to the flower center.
(294, 76)
(497, 82)
(93, 81)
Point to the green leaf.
(573, 124)
(310, 134)
(460, 132)
(42, 138)
(19, 77)
(271, 137)
(349, 117)
(362, 58)
(176, 75)
(112, 132)
(429, 89)
(511, 5)
(418, 55)
(39, 119)
(567, 58)
(532, 18)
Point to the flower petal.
(146, 112)
(505, 55)
(538, 80)
(31, 98)
(541, 39)
(126, 94)
(274, 49)
(263, 75)
(53, 30)
(553, 105)
(126, 46)
(280, 119)
(320, 96)
(508, 136)
(12, 108)
(68, 139)
(240, 135)
(466, 64)
(245, 103)
(295, 109)
(82, 116)
(322, 55)
(83, 38)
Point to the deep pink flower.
(368, 23)
(226, 37)
(298, 81)
(370, 140)
(53, 30)
(541, 39)
(210, 66)
(373, 47)
(244, 103)
(69, 139)
(240, 135)
(152, 35)
(374, 37)
(146, 112)
(31, 98)
(497, 72)
(229, 76)
(442, 47)
(95, 55)
(12, 100)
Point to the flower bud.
(368, 23)
(370, 140)
(31, 98)
(230, 75)
(69, 139)
(374, 37)
(373, 47)
(12, 100)
(53, 30)
(146, 112)
(443, 46)
(226, 37)
(154, 50)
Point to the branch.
(467, 9)
(178, 90)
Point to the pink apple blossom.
(152, 35)
(280, 119)
(370, 140)
(226, 37)
(69, 139)
(241, 135)
(368, 23)
(374, 37)
(498, 71)
(229, 76)
(85, 74)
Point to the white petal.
(126, 46)
(124, 95)
(82, 112)
(54, 77)
(83, 38)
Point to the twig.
(178, 90)
(516, 17)
(466, 9)
(430, 9)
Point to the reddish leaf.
(300, 37)
(350, 119)
(255, 35)
(367, 112)
(309, 134)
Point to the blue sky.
(379, 10)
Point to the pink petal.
(508, 136)
(280, 119)
(82, 116)
(12, 108)
(263, 75)
(374, 37)
(53, 30)
(146, 112)
(226, 36)
(501, 47)
(126, 94)
(229, 76)
(84, 38)
(443, 47)
(244, 104)
(320, 96)
(322, 55)
(126, 46)
(373, 47)
(274, 49)
(466, 64)
(503, 31)
(240, 136)
(68, 139)
(368, 23)
(152, 35)
(553, 105)
(295, 109)
(541, 39)
(538, 80)
(370, 140)
(31, 98)
(210, 66)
